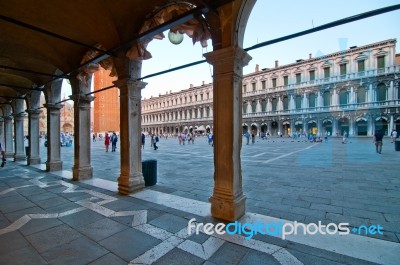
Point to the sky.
(269, 20)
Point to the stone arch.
(343, 125)
(381, 124)
(361, 126)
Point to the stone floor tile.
(179, 257)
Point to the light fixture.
(175, 37)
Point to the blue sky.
(269, 20)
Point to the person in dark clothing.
(378, 137)
(143, 140)
(114, 140)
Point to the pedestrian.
(107, 141)
(253, 137)
(114, 140)
(156, 140)
(393, 134)
(3, 156)
(378, 137)
(247, 135)
(143, 140)
(326, 136)
(345, 136)
(94, 138)
(210, 139)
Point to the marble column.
(34, 151)
(351, 126)
(228, 200)
(2, 133)
(53, 162)
(19, 154)
(371, 126)
(8, 136)
(82, 168)
(319, 127)
(334, 127)
(131, 177)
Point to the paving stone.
(178, 257)
(11, 242)
(253, 257)
(129, 244)
(81, 218)
(363, 214)
(53, 237)
(200, 238)
(326, 208)
(79, 251)
(27, 256)
(38, 225)
(13, 216)
(101, 229)
(228, 253)
(170, 222)
(51, 202)
(108, 259)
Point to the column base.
(54, 166)
(129, 184)
(9, 155)
(226, 209)
(82, 173)
(33, 160)
(19, 157)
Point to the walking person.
(152, 140)
(114, 140)
(143, 140)
(326, 136)
(3, 156)
(155, 141)
(345, 136)
(378, 138)
(247, 135)
(393, 134)
(107, 139)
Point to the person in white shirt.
(393, 134)
(3, 156)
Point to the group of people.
(182, 138)
(113, 139)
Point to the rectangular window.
(253, 85)
(327, 72)
(343, 70)
(208, 96)
(201, 96)
(298, 78)
(285, 80)
(361, 66)
(312, 75)
(244, 89)
(274, 82)
(195, 98)
(263, 84)
(381, 62)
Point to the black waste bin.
(397, 145)
(149, 169)
(27, 151)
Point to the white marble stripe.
(158, 251)
(288, 154)
(175, 202)
(360, 247)
(7, 191)
(260, 154)
(154, 231)
(76, 210)
(285, 258)
(123, 213)
(140, 217)
(96, 208)
(205, 250)
(15, 225)
(102, 183)
(42, 215)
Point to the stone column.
(53, 162)
(391, 124)
(334, 127)
(82, 168)
(228, 200)
(258, 107)
(351, 126)
(131, 177)
(8, 136)
(19, 137)
(319, 127)
(371, 125)
(34, 154)
(2, 133)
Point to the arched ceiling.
(29, 56)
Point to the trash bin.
(397, 145)
(27, 151)
(149, 170)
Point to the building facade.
(355, 91)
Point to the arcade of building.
(356, 90)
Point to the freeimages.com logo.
(279, 228)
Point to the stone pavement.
(48, 219)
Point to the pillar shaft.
(8, 136)
(54, 162)
(34, 154)
(228, 200)
(19, 137)
(131, 177)
(82, 168)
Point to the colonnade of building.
(357, 91)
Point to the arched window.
(244, 107)
(381, 93)
(343, 97)
(254, 106)
(327, 99)
(361, 95)
(263, 105)
(285, 103)
(311, 100)
(274, 104)
(298, 102)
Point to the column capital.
(53, 106)
(82, 99)
(129, 82)
(33, 111)
(19, 116)
(232, 58)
